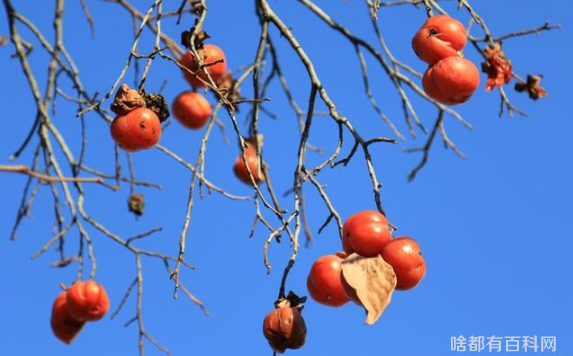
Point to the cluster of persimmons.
(450, 79)
(82, 302)
(137, 125)
(366, 234)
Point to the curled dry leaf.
(291, 300)
(373, 280)
(259, 140)
(126, 100)
(532, 87)
(200, 36)
(197, 6)
(157, 104)
(227, 86)
(3, 40)
(136, 204)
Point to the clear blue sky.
(494, 227)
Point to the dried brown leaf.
(3, 40)
(136, 204)
(126, 100)
(157, 104)
(373, 280)
(532, 87)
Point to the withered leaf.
(136, 204)
(126, 100)
(157, 104)
(373, 280)
(532, 87)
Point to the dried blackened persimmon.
(285, 328)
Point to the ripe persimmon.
(366, 233)
(324, 281)
(214, 61)
(439, 37)
(64, 326)
(405, 257)
(137, 130)
(191, 109)
(87, 301)
(451, 81)
(240, 168)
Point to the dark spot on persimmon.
(465, 97)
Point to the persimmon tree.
(240, 100)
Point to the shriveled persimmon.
(137, 130)
(284, 328)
